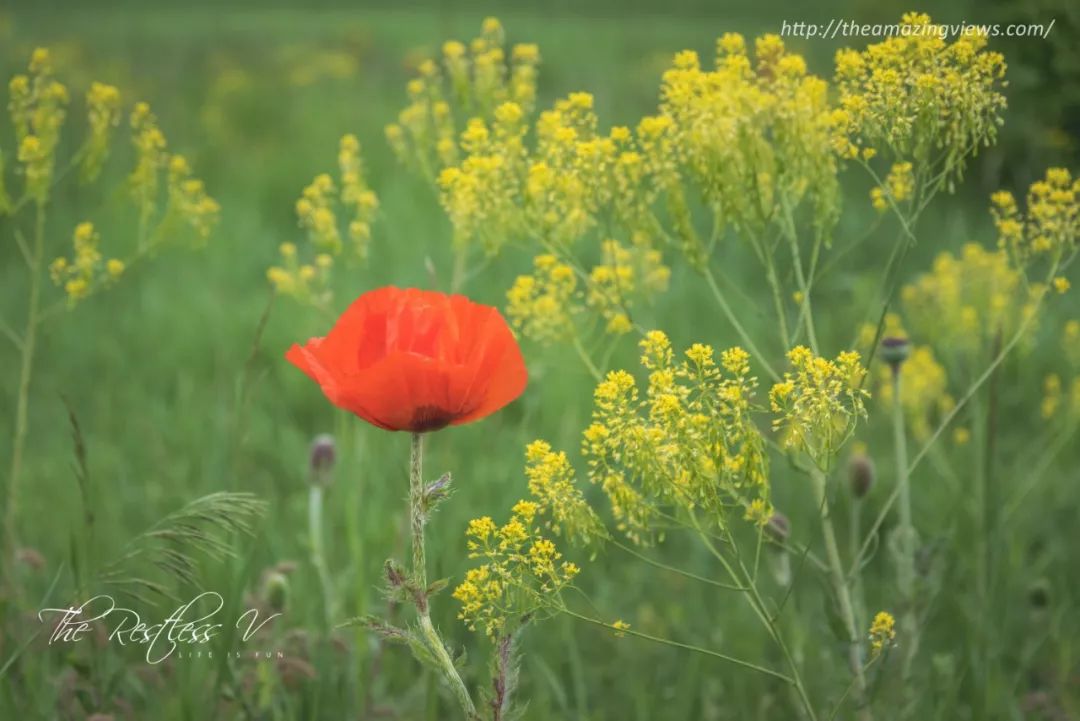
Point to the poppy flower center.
(430, 418)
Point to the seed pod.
(276, 591)
(894, 351)
(1039, 594)
(861, 474)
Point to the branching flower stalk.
(745, 583)
(843, 595)
(623, 629)
(28, 344)
(431, 638)
(722, 301)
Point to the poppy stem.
(416, 509)
(418, 519)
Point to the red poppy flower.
(416, 360)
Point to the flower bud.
(861, 474)
(276, 591)
(322, 457)
(395, 574)
(778, 527)
(31, 558)
(1039, 594)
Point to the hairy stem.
(418, 517)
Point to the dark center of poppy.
(430, 418)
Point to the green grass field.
(179, 385)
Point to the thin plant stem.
(672, 569)
(12, 336)
(906, 566)
(677, 644)
(981, 544)
(778, 298)
(948, 419)
(418, 517)
(318, 556)
(734, 320)
(760, 610)
(806, 310)
(22, 404)
(840, 588)
(1034, 477)
(854, 538)
(459, 273)
(586, 359)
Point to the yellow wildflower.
(882, 632)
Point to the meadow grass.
(180, 393)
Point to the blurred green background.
(175, 402)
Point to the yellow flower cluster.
(924, 393)
(356, 195)
(1050, 227)
(899, 186)
(186, 196)
(103, 114)
(818, 403)
(1055, 401)
(308, 279)
(150, 158)
(188, 199)
(882, 632)
(315, 213)
(553, 190)
(623, 275)
(505, 174)
(307, 282)
(543, 306)
(963, 303)
(522, 572)
(86, 271)
(755, 136)
(688, 443)
(918, 95)
(475, 82)
(37, 106)
(552, 486)
(1070, 342)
